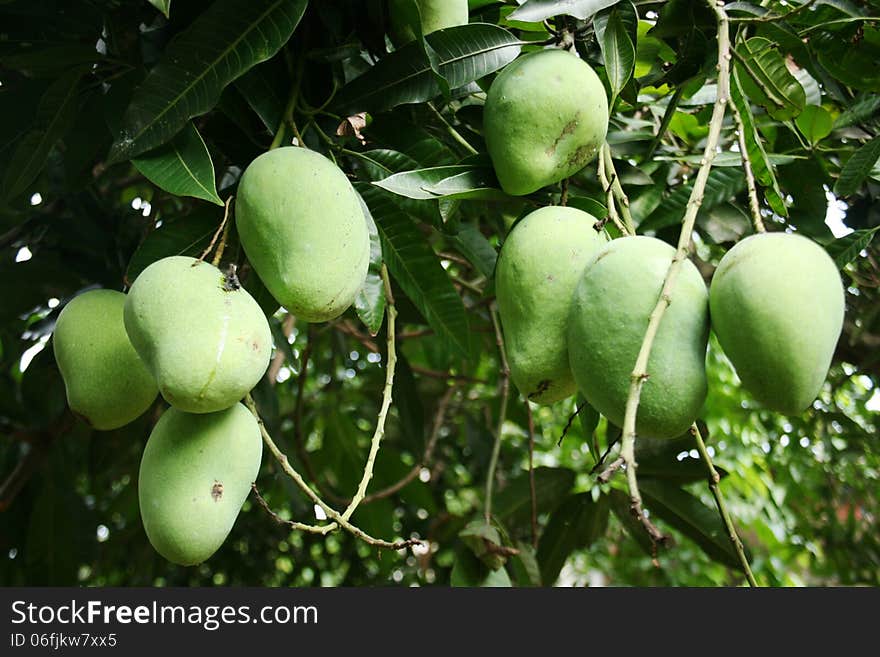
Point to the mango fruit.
(538, 269)
(195, 473)
(777, 305)
(609, 315)
(546, 115)
(201, 334)
(107, 383)
(302, 227)
(435, 15)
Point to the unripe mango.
(107, 383)
(435, 14)
(612, 304)
(777, 305)
(196, 472)
(201, 334)
(302, 227)
(538, 269)
(546, 115)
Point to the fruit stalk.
(754, 205)
(714, 478)
(617, 189)
(640, 372)
(379, 433)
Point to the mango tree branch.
(379, 433)
(640, 371)
(714, 479)
(502, 412)
(335, 516)
(754, 205)
(617, 190)
(609, 193)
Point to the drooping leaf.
(618, 53)
(691, 517)
(857, 168)
(534, 11)
(229, 38)
(370, 300)
(574, 525)
(620, 506)
(55, 114)
(464, 53)
(263, 87)
(474, 246)
(417, 270)
(846, 249)
(767, 81)
(762, 167)
(182, 167)
(446, 181)
(513, 504)
(478, 184)
(589, 419)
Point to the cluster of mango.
(192, 332)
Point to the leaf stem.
(502, 412)
(455, 134)
(754, 204)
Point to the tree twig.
(502, 412)
(714, 479)
(379, 433)
(608, 188)
(754, 204)
(617, 189)
(640, 371)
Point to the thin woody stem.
(640, 371)
(502, 412)
(617, 189)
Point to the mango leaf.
(188, 235)
(723, 183)
(408, 403)
(182, 167)
(229, 38)
(762, 166)
(464, 53)
(814, 123)
(262, 88)
(54, 116)
(513, 504)
(162, 5)
(574, 525)
(618, 53)
(767, 81)
(474, 246)
(862, 108)
(668, 468)
(416, 268)
(370, 301)
(589, 418)
(588, 205)
(620, 506)
(691, 517)
(478, 184)
(857, 168)
(436, 182)
(847, 248)
(534, 11)
(525, 566)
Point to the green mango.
(107, 383)
(546, 115)
(201, 334)
(777, 305)
(195, 473)
(303, 229)
(435, 15)
(612, 304)
(538, 269)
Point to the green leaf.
(861, 109)
(262, 88)
(416, 268)
(588, 205)
(54, 117)
(691, 517)
(182, 167)
(814, 123)
(762, 167)
(857, 168)
(474, 246)
(513, 504)
(574, 525)
(668, 468)
(464, 53)
(188, 235)
(847, 248)
(162, 5)
(766, 80)
(409, 405)
(370, 301)
(525, 566)
(619, 54)
(229, 38)
(534, 11)
(722, 184)
(620, 506)
(589, 418)
(451, 181)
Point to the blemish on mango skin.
(566, 131)
(217, 491)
